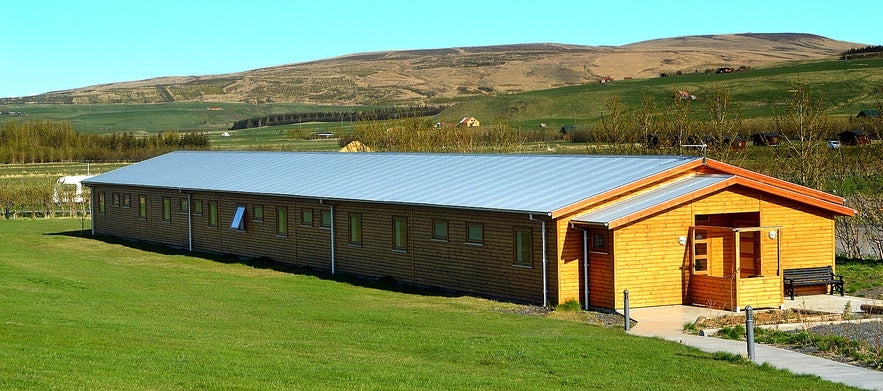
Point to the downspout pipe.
(189, 220)
(585, 264)
(332, 239)
(92, 208)
(331, 206)
(545, 261)
(189, 223)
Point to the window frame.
(435, 232)
(257, 213)
(595, 246)
(197, 207)
(400, 234)
(238, 222)
(183, 206)
(142, 207)
(322, 214)
(213, 214)
(306, 217)
(115, 199)
(282, 221)
(127, 200)
(518, 238)
(355, 235)
(469, 239)
(102, 207)
(167, 209)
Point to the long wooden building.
(544, 229)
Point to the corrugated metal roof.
(660, 195)
(522, 183)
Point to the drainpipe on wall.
(332, 239)
(189, 223)
(585, 264)
(332, 234)
(92, 208)
(545, 278)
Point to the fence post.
(749, 332)
(625, 299)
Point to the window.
(440, 230)
(213, 214)
(599, 241)
(142, 207)
(167, 209)
(197, 207)
(474, 233)
(306, 217)
(326, 219)
(356, 229)
(400, 233)
(115, 199)
(184, 206)
(257, 213)
(282, 221)
(700, 251)
(127, 200)
(523, 247)
(101, 203)
(238, 222)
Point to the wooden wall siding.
(570, 266)
(713, 292)
(760, 292)
(808, 236)
(649, 261)
(487, 270)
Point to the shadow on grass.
(382, 283)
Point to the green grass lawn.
(861, 274)
(83, 313)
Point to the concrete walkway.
(668, 322)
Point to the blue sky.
(57, 45)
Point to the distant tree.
(723, 126)
(804, 157)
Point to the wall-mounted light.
(682, 240)
(773, 234)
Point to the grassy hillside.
(84, 313)
(104, 118)
(846, 87)
(435, 76)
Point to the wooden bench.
(812, 276)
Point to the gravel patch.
(870, 331)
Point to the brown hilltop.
(436, 75)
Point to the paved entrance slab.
(668, 322)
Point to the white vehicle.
(834, 144)
(67, 186)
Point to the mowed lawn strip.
(78, 312)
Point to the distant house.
(725, 70)
(684, 95)
(69, 189)
(868, 114)
(766, 138)
(605, 80)
(442, 124)
(854, 137)
(468, 122)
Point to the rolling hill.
(445, 75)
